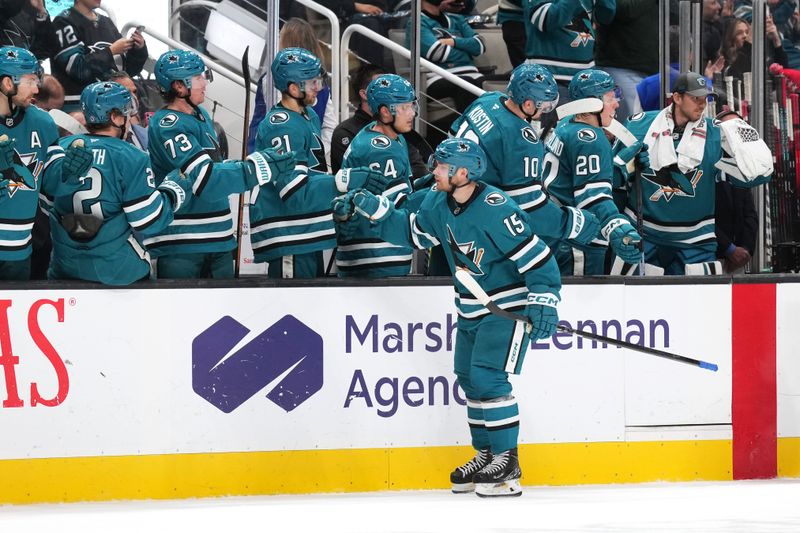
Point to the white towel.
(659, 142)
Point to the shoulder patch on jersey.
(586, 135)
(279, 117)
(495, 198)
(636, 116)
(381, 142)
(529, 135)
(168, 120)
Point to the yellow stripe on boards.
(789, 457)
(310, 471)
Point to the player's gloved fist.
(423, 182)
(348, 179)
(543, 313)
(375, 208)
(77, 160)
(582, 226)
(176, 186)
(6, 152)
(643, 157)
(624, 239)
(343, 206)
(627, 154)
(268, 165)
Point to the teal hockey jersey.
(37, 154)
(457, 59)
(560, 33)
(514, 156)
(673, 217)
(119, 190)
(489, 236)
(361, 252)
(189, 142)
(578, 170)
(294, 216)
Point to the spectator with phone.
(91, 48)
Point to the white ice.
(708, 507)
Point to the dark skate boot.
(500, 477)
(461, 477)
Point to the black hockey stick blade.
(466, 279)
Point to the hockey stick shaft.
(466, 279)
(245, 131)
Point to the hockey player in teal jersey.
(93, 217)
(198, 244)
(485, 232)
(514, 153)
(289, 228)
(578, 172)
(29, 153)
(381, 147)
(560, 34)
(291, 220)
(678, 179)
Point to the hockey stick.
(466, 279)
(245, 131)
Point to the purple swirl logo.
(288, 350)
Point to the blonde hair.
(299, 33)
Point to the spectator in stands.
(26, 24)
(368, 13)
(737, 47)
(298, 33)
(712, 30)
(448, 41)
(85, 55)
(627, 48)
(418, 148)
(510, 17)
(51, 94)
(560, 36)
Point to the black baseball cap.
(692, 83)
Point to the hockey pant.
(214, 265)
(486, 351)
(299, 266)
(681, 261)
(580, 261)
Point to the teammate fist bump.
(375, 208)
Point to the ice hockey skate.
(500, 477)
(461, 477)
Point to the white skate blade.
(506, 488)
(463, 488)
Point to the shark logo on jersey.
(586, 135)
(278, 117)
(465, 255)
(27, 169)
(381, 142)
(582, 29)
(495, 198)
(529, 135)
(168, 120)
(216, 151)
(672, 183)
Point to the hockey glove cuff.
(582, 226)
(176, 186)
(349, 179)
(265, 165)
(375, 208)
